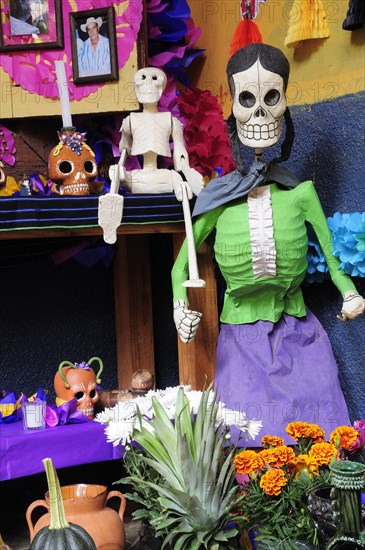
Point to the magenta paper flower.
(7, 146)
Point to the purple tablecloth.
(21, 452)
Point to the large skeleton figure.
(272, 354)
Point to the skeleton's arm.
(180, 151)
(353, 304)
(125, 146)
(187, 320)
(181, 159)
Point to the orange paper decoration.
(307, 20)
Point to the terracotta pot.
(85, 505)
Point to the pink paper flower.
(35, 71)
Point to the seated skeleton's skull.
(149, 84)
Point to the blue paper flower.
(348, 245)
(317, 269)
(348, 234)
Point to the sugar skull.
(79, 381)
(72, 164)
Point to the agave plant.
(198, 498)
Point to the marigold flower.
(298, 430)
(272, 481)
(269, 441)
(303, 464)
(277, 457)
(343, 437)
(323, 453)
(247, 462)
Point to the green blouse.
(249, 299)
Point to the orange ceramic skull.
(79, 381)
(72, 164)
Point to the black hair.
(272, 59)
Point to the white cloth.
(261, 232)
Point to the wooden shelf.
(133, 301)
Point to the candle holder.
(34, 415)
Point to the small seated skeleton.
(148, 133)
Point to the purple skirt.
(280, 373)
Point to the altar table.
(21, 452)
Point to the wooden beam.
(133, 307)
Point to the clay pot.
(85, 505)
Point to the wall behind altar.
(326, 96)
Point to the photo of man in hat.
(94, 53)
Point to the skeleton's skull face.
(149, 84)
(258, 105)
(82, 384)
(73, 169)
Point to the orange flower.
(277, 457)
(269, 441)
(298, 430)
(323, 453)
(343, 437)
(272, 481)
(247, 462)
(303, 464)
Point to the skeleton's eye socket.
(272, 97)
(93, 394)
(65, 167)
(143, 77)
(89, 166)
(154, 77)
(247, 99)
(79, 395)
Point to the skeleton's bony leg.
(194, 280)
(111, 208)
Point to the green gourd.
(60, 534)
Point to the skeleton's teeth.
(76, 189)
(256, 132)
(88, 412)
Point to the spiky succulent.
(198, 498)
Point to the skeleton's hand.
(186, 321)
(117, 173)
(353, 306)
(177, 184)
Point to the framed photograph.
(30, 25)
(94, 46)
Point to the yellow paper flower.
(247, 462)
(304, 464)
(272, 481)
(277, 457)
(343, 437)
(323, 453)
(299, 430)
(269, 441)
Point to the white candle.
(63, 91)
